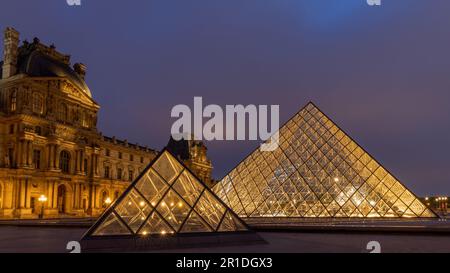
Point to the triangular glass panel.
(335, 176)
(111, 226)
(195, 223)
(162, 201)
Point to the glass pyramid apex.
(317, 171)
(166, 199)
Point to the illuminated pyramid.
(165, 201)
(317, 171)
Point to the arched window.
(63, 112)
(64, 161)
(38, 103)
(13, 101)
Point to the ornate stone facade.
(53, 161)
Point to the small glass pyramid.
(317, 171)
(166, 199)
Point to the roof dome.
(39, 64)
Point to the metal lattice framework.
(166, 199)
(317, 171)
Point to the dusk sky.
(382, 73)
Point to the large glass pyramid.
(317, 171)
(165, 200)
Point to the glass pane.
(173, 209)
(152, 187)
(188, 187)
(168, 167)
(210, 209)
(195, 224)
(111, 226)
(133, 209)
(155, 225)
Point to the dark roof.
(181, 148)
(38, 64)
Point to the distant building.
(53, 160)
(194, 154)
(439, 204)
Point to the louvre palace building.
(54, 162)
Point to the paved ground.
(54, 239)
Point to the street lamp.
(108, 201)
(42, 199)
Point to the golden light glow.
(108, 201)
(142, 203)
(163, 232)
(42, 198)
(144, 232)
(180, 204)
(336, 179)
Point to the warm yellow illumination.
(144, 232)
(172, 204)
(108, 201)
(163, 232)
(180, 204)
(142, 203)
(336, 179)
(42, 198)
(153, 204)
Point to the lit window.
(37, 159)
(63, 112)
(106, 171)
(130, 175)
(38, 103)
(64, 161)
(13, 101)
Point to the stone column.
(82, 161)
(57, 153)
(30, 153)
(19, 153)
(22, 193)
(50, 157)
(27, 194)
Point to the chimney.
(80, 69)
(10, 52)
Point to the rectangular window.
(107, 152)
(11, 157)
(106, 171)
(130, 175)
(11, 129)
(85, 166)
(120, 155)
(33, 204)
(119, 173)
(38, 130)
(142, 159)
(131, 157)
(37, 159)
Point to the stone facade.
(49, 143)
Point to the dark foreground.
(55, 239)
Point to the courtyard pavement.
(55, 239)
